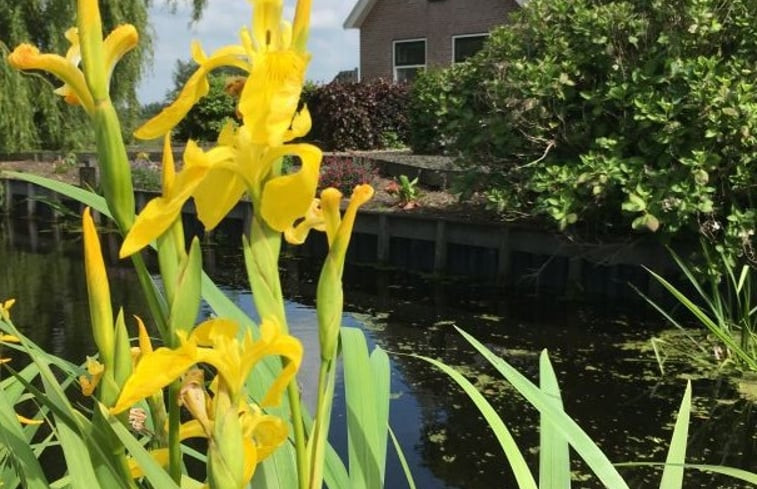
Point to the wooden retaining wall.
(494, 252)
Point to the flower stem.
(174, 423)
(261, 253)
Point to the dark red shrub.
(344, 173)
(371, 115)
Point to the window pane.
(410, 53)
(465, 47)
(407, 74)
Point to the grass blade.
(81, 472)
(86, 197)
(672, 475)
(366, 388)
(152, 470)
(554, 450)
(18, 447)
(739, 474)
(578, 439)
(403, 461)
(514, 456)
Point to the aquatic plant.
(725, 306)
(559, 432)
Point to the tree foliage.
(208, 116)
(32, 116)
(637, 113)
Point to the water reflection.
(613, 391)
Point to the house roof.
(363, 7)
(358, 14)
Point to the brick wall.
(436, 21)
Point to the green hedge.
(638, 112)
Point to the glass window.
(409, 59)
(467, 46)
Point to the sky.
(334, 49)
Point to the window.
(409, 59)
(463, 47)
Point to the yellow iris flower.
(5, 308)
(215, 343)
(218, 178)
(276, 67)
(245, 159)
(75, 90)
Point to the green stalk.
(114, 164)
(155, 301)
(174, 423)
(261, 253)
(320, 434)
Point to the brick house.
(399, 38)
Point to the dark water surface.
(613, 390)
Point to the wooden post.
(383, 240)
(573, 283)
(503, 257)
(7, 196)
(31, 203)
(141, 199)
(440, 247)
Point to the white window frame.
(394, 55)
(461, 36)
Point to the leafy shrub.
(345, 173)
(432, 108)
(625, 113)
(371, 115)
(210, 114)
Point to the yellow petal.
(98, 291)
(89, 382)
(28, 57)
(145, 345)
(207, 333)
(192, 429)
(161, 212)
(313, 220)
(196, 87)
(362, 194)
(287, 198)
(194, 398)
(250, 459)
(269, 433)
(270, 97)
(120, 41)
(168, 174)
(284, 345)
(152, 222)
(153, 372)
(9, 338)
(301, 125)
(73, 55)
(265, 22)
(25, 420)
(160, 455)
(217, 195)
(331, 201)
(301, 25)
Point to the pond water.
(613, 389)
